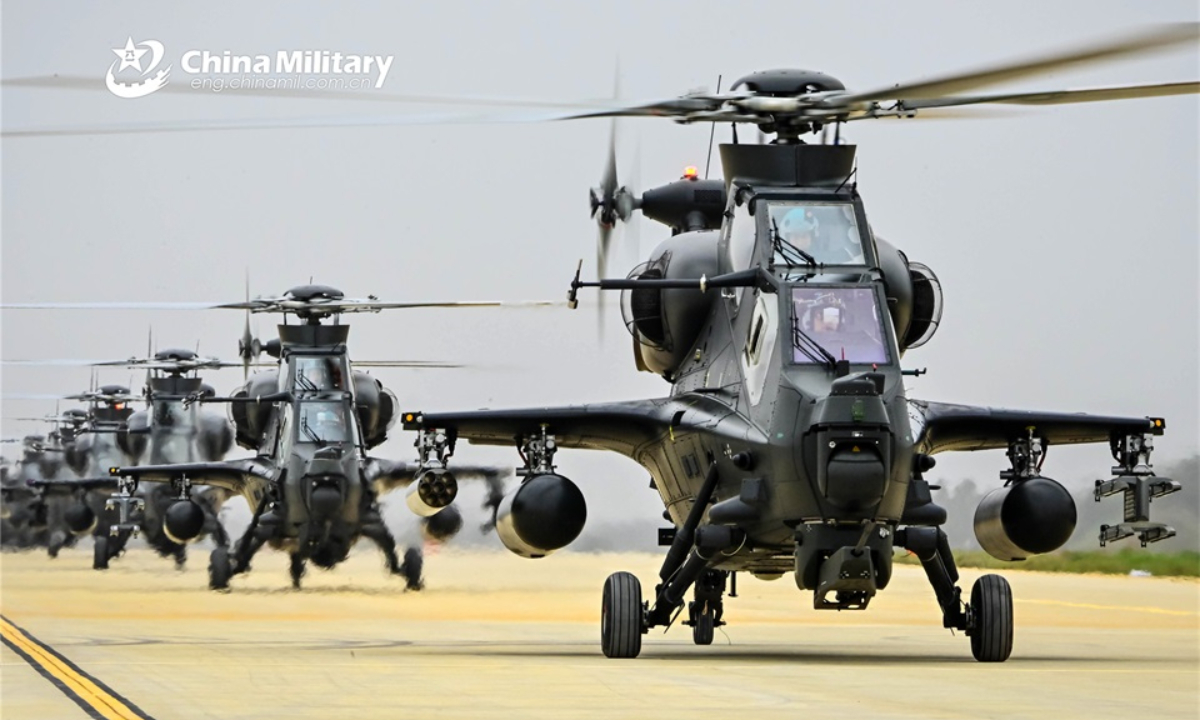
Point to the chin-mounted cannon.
(1135, 478)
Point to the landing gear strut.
(694, 550)
(704, 613)
(988, 620)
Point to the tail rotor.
(610, 203)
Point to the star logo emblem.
(150, 76)
(130, 55)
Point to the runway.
(496, 636)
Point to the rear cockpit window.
(316, 373)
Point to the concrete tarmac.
(496, 636)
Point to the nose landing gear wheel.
(702, 628)
(991, 619)
(621, 616)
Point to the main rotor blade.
(52, 362)
(69, 82)
(1064, 97)
(571, 111)
(417, 364)
(268, 304)
(356, 306)
(1155, 39)
(331, 121)
(111, 306)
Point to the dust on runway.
(493, 635)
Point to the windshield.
(323, 422)
(825, 231)
(843, 321)
(322, 372)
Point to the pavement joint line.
(1091, 606)
(93, 696)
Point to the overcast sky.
(1065, 238)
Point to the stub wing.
(242, 477)
(620, 427)
(942, 427)
(95, 483)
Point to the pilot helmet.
(831, 312)
(798, 220)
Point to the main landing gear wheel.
(621, 616)
(100, 553)
(414, 561)
(702, 629)
(219, 569)
(991, 619)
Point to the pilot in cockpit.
(799, 228)
(824, 232)
(834, 327)
(827, 319)
(330, 425)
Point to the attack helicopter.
(788, 444)
(313, 488)
(34, 517)
(97, 445)
(166, 431)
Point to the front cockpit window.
(324, 422)
(825, 231)
(844, 321)
(318, 373)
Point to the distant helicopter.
(167, 431)
(97, 445)
(787, 443)
(37, 515)
(313, 488)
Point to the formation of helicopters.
(787, 443)
(310, 421)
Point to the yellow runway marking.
(1121, 608)
(93, 696)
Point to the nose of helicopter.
(853, 433)
(325, 495)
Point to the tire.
(991, 619)
(219, 569)
(411, 568)
(621, 616)
(100, 553)
(702, 631)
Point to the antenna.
(711, 133)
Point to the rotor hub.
(311, 293)
(788, 82)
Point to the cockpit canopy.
(826, 231)
(845, 321)
(324, 421)
(319, 373)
